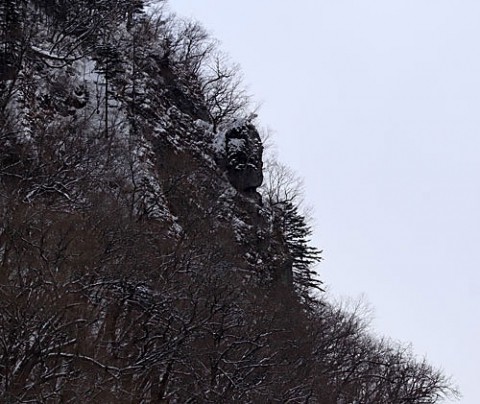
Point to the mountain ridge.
(140, 258)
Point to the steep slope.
(122, 107)
(138, 260)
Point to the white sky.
(376, 103)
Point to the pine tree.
(297, 233)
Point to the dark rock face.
(244, 158)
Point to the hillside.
(143, 258)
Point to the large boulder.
(243, 163)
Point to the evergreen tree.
(297, 233)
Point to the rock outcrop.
(244, 158)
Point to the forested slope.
(141, 258)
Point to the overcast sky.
(376, 104)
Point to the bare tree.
(358, 367)
(225, 96)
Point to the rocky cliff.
(127, 102)
(140, 260)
